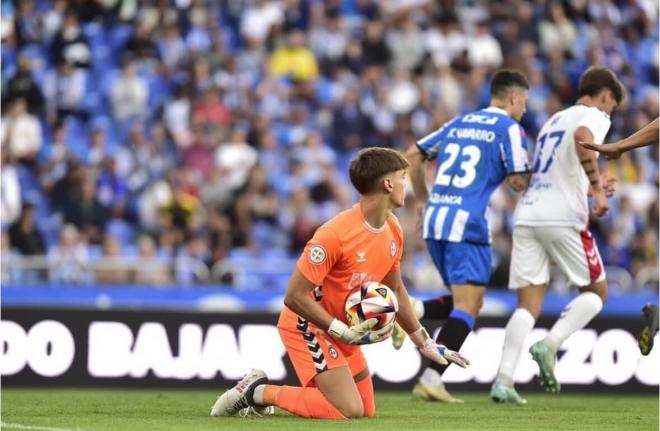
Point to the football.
(372, 299)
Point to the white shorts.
(574, 251)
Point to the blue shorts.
(460, 262)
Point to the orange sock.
(366, 389)
(305, 402)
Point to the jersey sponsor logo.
(481, 119)
(437, 198)
(393, 248)
(317, 255)
(473, 134)
(361, 256)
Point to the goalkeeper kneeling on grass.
(361, 244)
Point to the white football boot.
(240, 396)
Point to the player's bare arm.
(299, 300)
(647, 135)
(590, 165)
(417, 172)
(519, 182)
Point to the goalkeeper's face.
(518, 101)
(397, 187)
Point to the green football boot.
(501, 393)
(546, 361)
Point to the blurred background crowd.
(180, 142)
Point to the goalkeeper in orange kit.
(361, 244)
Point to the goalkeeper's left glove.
(436, 352)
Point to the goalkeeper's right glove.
(436, 352)
(360, 333)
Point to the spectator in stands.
(557, 31)
(150, 268)
(69, 260)
(171, 47)
(10, 192)
(69, 187)
(191, 261)
(258, 21)
(176, 116)
(113, 269)
(111, 188)
(70, 44)
(22, 85)
(52, 19)
(26, 23)
(182, 212)
(21, 133)
(484, 50)
(24, 235)
(10, 270)
(235, 158)
(405, 41)
(374, 49)
(129, 96)
(65, 89)
(87, 213)
(54, 157)
(142, 48)
(295, 60)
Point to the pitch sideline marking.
(35, 427)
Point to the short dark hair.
(598, 78)
(371, 164)
(504, 80)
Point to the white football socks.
(519, 326)
(431, 377)
(258, 394)
(575, 316)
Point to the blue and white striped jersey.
(475, 153)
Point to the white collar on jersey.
(496, 109)
(370, 228)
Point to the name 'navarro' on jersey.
(475, 153)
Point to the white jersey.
(557, 192)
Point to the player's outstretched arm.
(590, 165)
(647, 135)
(409, 322)
(299, 300)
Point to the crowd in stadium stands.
(186, 132)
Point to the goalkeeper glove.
(436, 352)
(361, 333)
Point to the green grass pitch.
(138, 409)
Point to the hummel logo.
(592, 257)
(361, 256)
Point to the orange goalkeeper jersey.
(346, 252)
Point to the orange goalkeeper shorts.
(312, 352)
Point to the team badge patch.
(393, 248)
(333, 352)
(317, 255)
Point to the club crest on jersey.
(361, 256)
(393, 248)
(333, 352)
(317, 255)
